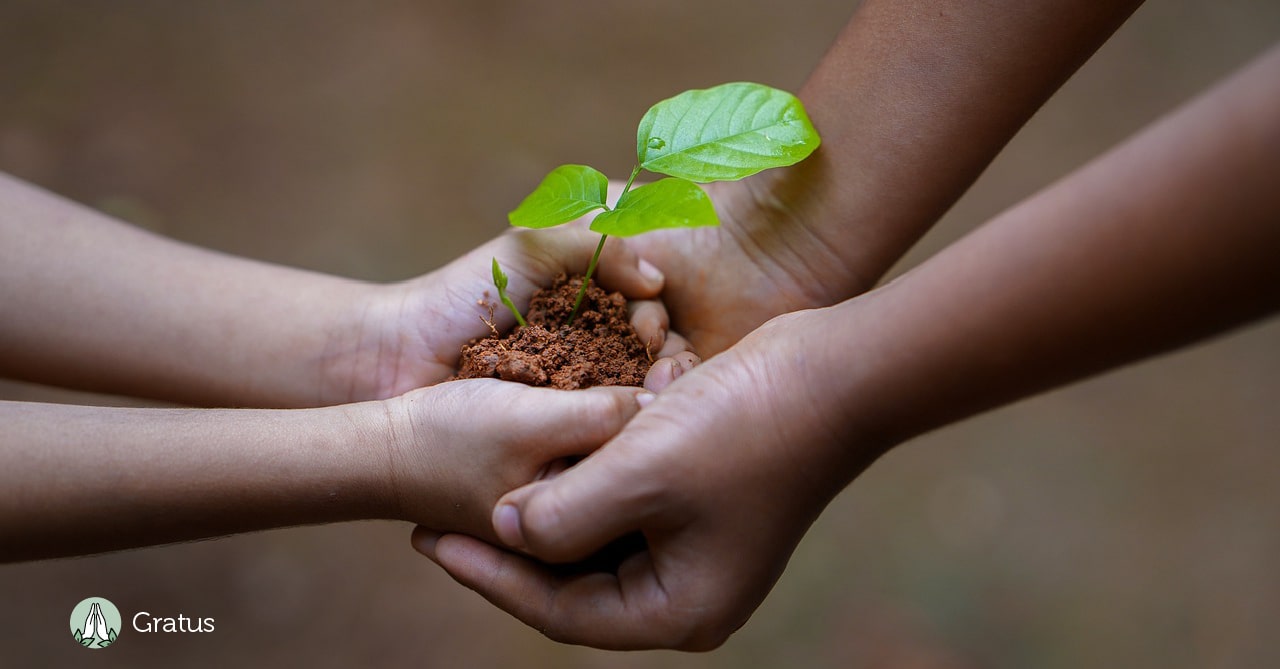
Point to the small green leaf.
(500, 282)
(87, 641)
(499, 277)
(104, 643)
(568, 192)
(77, 636)
(724, 133)
(112, 636)
(668, 203)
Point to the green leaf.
(499, 277)
(111, 635)
(568, 192)
(104, 643)
(77, 636)
(724, 133)
(668, 203)
(500, 282)
(87, 641)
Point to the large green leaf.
(723, 133)
(568, 192)
(668, 203)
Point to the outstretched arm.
(77, 480)
(88, 302)
(1170, 238)
(91, 303)
(913, 101)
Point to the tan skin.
(79, 480)
(913, 101)
(1170, 238)
(203, 328)
(92, 303)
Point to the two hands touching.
(726, 469)
(374, 433)
(810, 374)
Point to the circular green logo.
(95, 623)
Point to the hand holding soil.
(412, 333)
(600, 347)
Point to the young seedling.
(500, 282)
(723, 133)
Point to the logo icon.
(95, 623)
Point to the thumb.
(572, 516)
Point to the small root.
(493, 328)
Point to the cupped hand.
(409, 335)
(459, 446)
(722, 474)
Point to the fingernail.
(644, 398)
(653, 274)
(676, 370)
(506, 522)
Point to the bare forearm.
(913, 101)
(79, 480)
(1170, 238)
(91, 303)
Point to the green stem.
(582, 292)
(630, 180)
(511, 305)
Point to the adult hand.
(722, 495)
(1045, 294)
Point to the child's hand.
(458, 447)
(409, 335)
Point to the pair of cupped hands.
(721, 465)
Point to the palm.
(413, 332)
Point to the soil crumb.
(599, 349)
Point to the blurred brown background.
(1132, 520)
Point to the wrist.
(328, 464)
(884, 367)
(359, 357)
(772, 219)
(831, 364)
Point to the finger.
(574, 515)
(664, 372)
(675, 345)
(622, 270)
(537, 256)
(618, 612)
(649, 318)
(424, 540)
(553, 469)
(574, 422)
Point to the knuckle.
(609, 412)
(541, 521)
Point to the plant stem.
(511, 305)
(631, 179)
(591, 268)
(582, 292)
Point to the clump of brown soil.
(599, 349)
